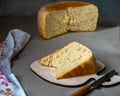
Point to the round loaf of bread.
(72, 60)
(61, 17)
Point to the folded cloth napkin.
(14, 43)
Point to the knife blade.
(94, 85)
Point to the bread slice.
(58, 18)
(74, 59)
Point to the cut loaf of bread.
(61, 17)
(74, 59)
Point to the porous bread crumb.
(72, 60)
(58, 18)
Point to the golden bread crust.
(64, 5)
(41, 22)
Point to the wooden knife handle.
(81, 91)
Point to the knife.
(94, 85)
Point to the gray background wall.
(109, 10)
(22, 7)
(26, 7)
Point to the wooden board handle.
(81, 91)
